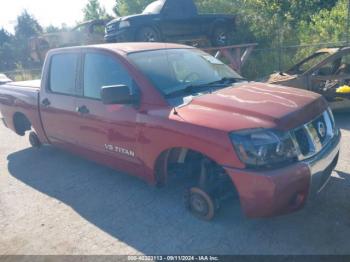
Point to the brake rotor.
(200, 204)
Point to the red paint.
(203, 126)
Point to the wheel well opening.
(21, 123)
(195, 170)
(147, 26)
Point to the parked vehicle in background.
(165, 111)
(326, 72)
(87, 33)
(4, 79)
(172, 21)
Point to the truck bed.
(19, 100)
(31, 84)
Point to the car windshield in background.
(311, 62)
(183, 71)
(154, 8)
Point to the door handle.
(82, 110)
(46, 102)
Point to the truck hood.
(254, 105)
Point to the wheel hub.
(199, 205)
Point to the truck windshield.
(154, 8)
(183, 71)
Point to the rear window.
(154, 8)
(63, 73)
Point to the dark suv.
(171, 21)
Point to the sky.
(47, 12)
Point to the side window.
(330, 68)
(63, 73)
(102, 70)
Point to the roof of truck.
(128, 48)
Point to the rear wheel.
(147, 34)
(34, 140)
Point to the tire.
(34, 140)
(200, 204)
(220, 36)
(147, 34)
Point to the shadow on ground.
(154, 221)
(342, 120)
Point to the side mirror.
(118, 94)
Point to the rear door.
(57, 105)
(108, 132)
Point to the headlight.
(124, 24)
(260, 148)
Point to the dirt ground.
(52, 202)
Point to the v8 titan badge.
(119, 150)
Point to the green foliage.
(326, 25)
(7, 52)
(129, 7)
(93, 11)
(52, 29)
(27, 26)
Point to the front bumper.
(281, 191)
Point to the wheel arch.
(179, 154)
(148, 25)
(21, 123)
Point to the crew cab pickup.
(172, 21)
(166, 111)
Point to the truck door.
(178, 18)
(109, 132)
(57, 105)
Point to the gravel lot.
(52, 202)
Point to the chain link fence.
(280, 56)
(263, 62)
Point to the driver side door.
(108, 133)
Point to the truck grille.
(312, 137)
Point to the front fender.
(159, 135)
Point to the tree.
(4, 36)
(93, 11)
(326, 25)
(27, 27)
(7, 54)
(52, 29)
(128, 7)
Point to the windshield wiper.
(227, 80)
(190, 89)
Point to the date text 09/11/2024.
(173, 258)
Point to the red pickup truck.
(164, 111)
